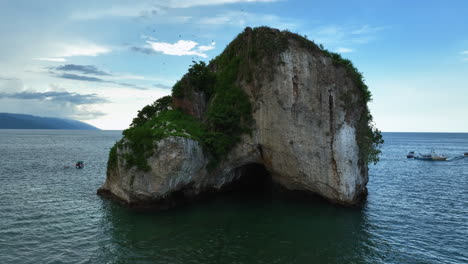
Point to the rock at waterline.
(271, 98)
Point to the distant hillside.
(18, 121)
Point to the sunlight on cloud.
(206, 48)
(242, 19)
(181, 47)
(153, 9)
(193, 3)
(83, 50)
(117, 11)
(60, 51)
(51, 59)
(344, 35)
(344, 50)
(217, 20)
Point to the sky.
(102, 61)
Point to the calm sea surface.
(416, 211)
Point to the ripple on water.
(416, 212)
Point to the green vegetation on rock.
(154, 122)
(142, 139)
(199, 78)
(149, 111)
(112, 161)
(228, 115)
(228, 112)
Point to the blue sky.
(101, 61)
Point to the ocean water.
(416, 211)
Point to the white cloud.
(465, 52)
(53, 101)
(181, 47)
(206, 48)
(126, 76)
(192, 3)
(344, 50)
(329, 35)
(336, 36)
(217, 20)
(51, 59)
(242, 19)
(344, 34)
(366, 29)
(58, 52)
(153, 9)
(117, 11)
(83, 49)
(146, 37)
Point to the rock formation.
(305, 120)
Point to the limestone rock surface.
(304, 132)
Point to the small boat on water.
(423, 157)
(410, 155)
(433, 156)
(438, 157)
(465, 154)
(79, 165)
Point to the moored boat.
(437, 157)
(433, 156)
(79, 164)
(423, 157)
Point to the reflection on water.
(235, 228)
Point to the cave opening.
(253, 181)
(252, 184)
(252, 178)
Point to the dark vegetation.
(142, 139)
(112, 161)
(199, 77)
(227, 117)
(228, 113)
(149, 111)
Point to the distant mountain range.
(19, 121)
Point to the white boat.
(435, 156)
(423, 157)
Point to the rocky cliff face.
(308, 127)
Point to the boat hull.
(423, 158)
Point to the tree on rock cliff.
(272, 98)
(150, 111)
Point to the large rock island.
(272, 103)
